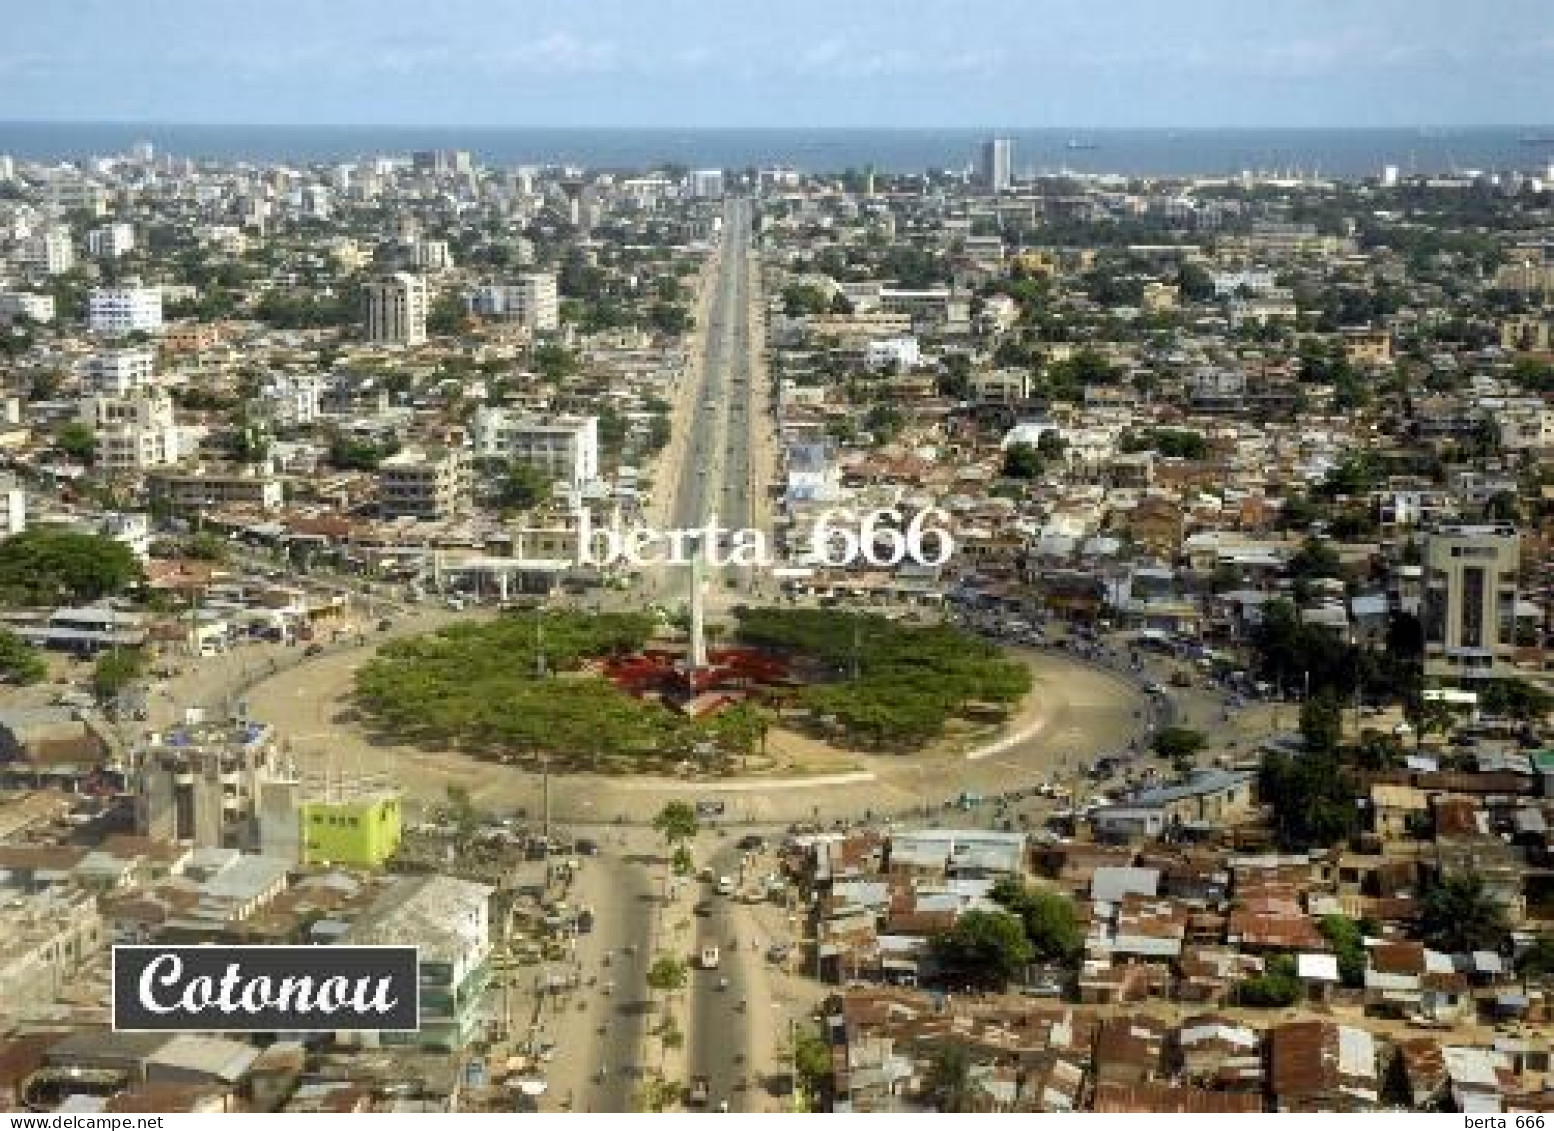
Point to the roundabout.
(1073, 711)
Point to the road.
(717, 473)
(720, 1018)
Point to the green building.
(362, 832)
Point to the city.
(990, 637)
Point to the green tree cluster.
(20, 662)
(1277, 986)
(984, 948)
(1311, 798)
(44, 565)
(903, 682)
(1050, 919)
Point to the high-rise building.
(124, 310)
(1469, 609)
(564, 446)
(707, 184)
(396, 309)
(996, 171)
(532, 301)
(111, 241)
(50, 250)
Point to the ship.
(1075, 143)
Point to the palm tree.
(949, 1082)
(1458, 913)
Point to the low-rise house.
(1322, 1066)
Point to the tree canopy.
(44, 565)
(20, 662)
(1458, 913)
(909, 680)
(984, 947)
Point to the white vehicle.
(725, 885)
(710, 958)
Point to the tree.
(811, 1061)
(1050, 920)
(1347, 939)
(44, 565)
(77, 440)
(676, 822)
(1179, 743)
(667, 974)
(448, 316)
(1458, 913)
(1321, 723)
(525, 486)
(1312, 801)
(986, 947)
(20, 662)
(116, 670)
(1537, 961)
(949, 1082)
(1277, 986)
(461, 809)
(1022, 461)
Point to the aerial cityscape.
(814, 619)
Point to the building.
(133, 432)
(431, 255)
(45, 939)
(396, 309)
(428, 485)
(119, 372)
(706, 184)
(359, 832)
(564, 446)
(532, 301)
(124, 310)
(1469, 610)
(294, 399)
(201, 783)
(198, 490)
(20, 304)
(996, 168)
(448, 921)
(50, 251)
(111, 241)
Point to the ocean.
(1344, 153)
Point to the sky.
(1012, 63)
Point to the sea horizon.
(1329, 151)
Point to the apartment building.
(50, 251)
(198, 490)
(124, 310)
(396, 309)
(134, 432)
(564, 446)
(532, 301)
(430, 485)
(119, 372)
(20, 304)
(111, 241)
(293, 399)
(1469, 609)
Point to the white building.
(124, 310)
(996, 170)
(118, 372)
(133, 433)
(533, 301)
(315, 202)
(37, 308)
(13, 508)
(431, 485)
(111, 241)
(707, 184)
(1250, 281)
(432, 255)
(396, 309)
(294, 399)
(903, 353)
(50, 251)
(564, 446)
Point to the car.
(385, 624)
(725, 885)
(702, 909)
(1154, 688)
(587, 846)
(751, 842)
(585, 921)
(313, 650)
(710, 958)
